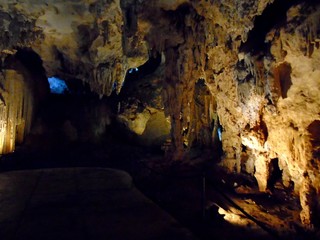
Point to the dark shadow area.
(78, 87)
(283, 76)
(140, 72)
(275, 173)
(273, 17)
(314, 130)
(29, 63)
(30, 60)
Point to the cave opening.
(275, 174)
(50, 115)
(138, 108)
(23, 90)
(57, 85)
(71, 87)
(149, 67)
(66, 111)
(31, 60)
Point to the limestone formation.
(85, 39)
(19, 92)
(141, 108)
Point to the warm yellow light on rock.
(233, 218)
(15, 110)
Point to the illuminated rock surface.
(250, 68)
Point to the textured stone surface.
(141, 108)
(85, 40)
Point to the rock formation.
(140, 107)
(23, 86)
(250, 66)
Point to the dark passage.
(273, 17)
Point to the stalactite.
(108, 78)
(16, 110)
(3, 126)
(204, 116)
(312, 28)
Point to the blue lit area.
(220, 133)
(132, 70)
(57, 85)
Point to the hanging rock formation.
(85, 40)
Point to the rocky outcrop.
(274, 101)
(278, 89)
(262, 70)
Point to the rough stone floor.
(80, 203)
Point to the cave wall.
(264, 79)
(21, 91)
(13, 118)
(277, 92)
(296, 64)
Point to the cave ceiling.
(98, 41)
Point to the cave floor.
(80, 203)
(230, 208)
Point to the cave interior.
(212, 107)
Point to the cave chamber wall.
(22, 89)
